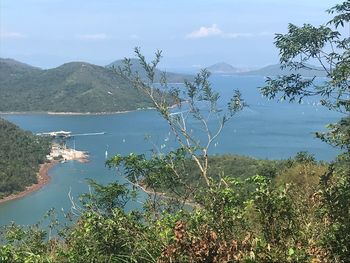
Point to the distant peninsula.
(26, 160)
(75, 87)
(223, 68)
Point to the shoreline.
(43, 179)
(77, 113)
(43, 173)
(68, 112)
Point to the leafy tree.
(329, 45)
(330, 48)
(189, 101)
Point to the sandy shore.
(43, 179)
(62, 154)
(77, 113)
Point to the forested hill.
(71, 87)
(137, 67)
(13, 68)
(21, 154)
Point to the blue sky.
(191, 33)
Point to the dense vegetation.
(296, 210)
(21, 153)
(72, 87)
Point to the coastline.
(63, 154)
(43, 173)
(77, 113)
(43, 179)
(69, 113)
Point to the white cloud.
(6, 34)
(100, 36)
(214, 30)
(205, 32)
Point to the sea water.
(265, 129)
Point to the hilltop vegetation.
(21, 153)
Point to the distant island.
(268, 71)
(223, 68)
(75, 87)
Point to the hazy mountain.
(223, 68)
(137, 67)
(11, 67)
(275, 70)
(72, 87)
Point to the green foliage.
(24, 245)
(21, 153)
(104, 198)
(330, 49)
(213, 208)
(335, 194)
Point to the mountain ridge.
(267, 71)
(71, 87)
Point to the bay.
(265, 129)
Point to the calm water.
(265, 130)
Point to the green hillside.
(72, 87)
(21, 153)
(137, 67)
(12, 68)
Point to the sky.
(191, 33)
